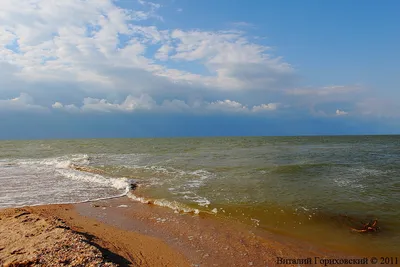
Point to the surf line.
(132, 184)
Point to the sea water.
(311, 188)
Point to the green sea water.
(312, 188)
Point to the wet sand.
(130, 233)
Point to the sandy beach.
(178, 133)
(121, 232)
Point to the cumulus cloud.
(57, 105)
(68, 50)
(147, 103)
(226, 105)
(144, 102)
(341, 112)
(235, 62)
(97, 47)
(20, 103)
(264, 107)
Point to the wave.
(185, 189)
(78, 167)
(180, 183)
(74, 167)
(174, 205)
(57, 162)
(117, 183)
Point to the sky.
(135, 68)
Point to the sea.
(313, 188)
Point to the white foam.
(184, 183)
(180, 183)
(176, 206)
(57, 162)
(62, 166)
(118, 183)
(50, 180)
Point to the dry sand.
(129, 233)
(27, 239)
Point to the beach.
(242, 201)
(122, 232)
(199, 133)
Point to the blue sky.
(128, 68)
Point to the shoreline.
(130, 233)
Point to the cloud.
(23, 102)
(59, 47)
(227, 106)
(236, 63)
(147, 103)
(57, 105)
(69, 108)
(266, 107)
(60, 52)
(151, 4)
(341, 112)
(163, 52)
(72, 49)
(144, 102)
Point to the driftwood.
(369, 227)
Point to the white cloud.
(130, 104)
(151, 4)
(341, 112)
(57, 105)
(163, 52)
(95, 48)
(21, 103)
(227, 106)
(265, 107)
(69, 108)
(147, 103)
(68, 50)
(236, 62)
